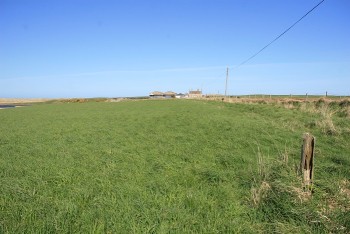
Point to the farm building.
(156, 94)
(195, 94)
(169, 94)
(180, 95)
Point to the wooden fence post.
(307, 161)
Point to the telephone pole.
(226, 82)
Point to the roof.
(169, 93)
(156, 93)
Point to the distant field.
(172, 166)
(22, 100)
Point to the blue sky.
(105, 48)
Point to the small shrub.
(333, 105)
(262, 101)
(320, 103)
(344, 103)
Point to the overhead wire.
(279, 36)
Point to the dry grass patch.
(258, 194)
(345, 188)
(326, 122)
(300, 193)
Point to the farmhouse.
(195, 94)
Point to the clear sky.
(114, 48)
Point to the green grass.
(168, 166)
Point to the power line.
(284, 32)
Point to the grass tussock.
(260, 193)
(346, 112)
(329, 113)
(326, 120)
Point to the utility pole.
(226, 83)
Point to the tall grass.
(162, 166)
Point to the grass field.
(172, 166)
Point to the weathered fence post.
(307, 161)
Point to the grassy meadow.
(173, 166)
